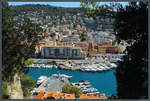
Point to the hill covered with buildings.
(67, 32)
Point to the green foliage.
(73, 90)
(50, 10)
(18, 42)
(132, 74)
(92, 9)
(82, 37)
(131, 25)
(28, 62)
(27, 84)
(4, 90)
(114, 42)
(66, 88)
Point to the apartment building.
(62, 52)
(100, 37)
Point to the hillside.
(50, 10)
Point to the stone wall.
(14, 89)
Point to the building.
(108, 55)
(42, 43)
(83, 45)
(92, 46)
(93, 97)
(99, 37)
(62, 52)
(54, 95)
(106, 42)
(108, 49)
(65, 96)
(101, 50)
(71, 38)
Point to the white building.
(99, 37)
(62, 52)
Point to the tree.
(5, 94)
(18, 43)
(18, 46)
(73, 90)
(82, 37)
(27, 84)
(92, 9)
(132, 74)
(131, 25)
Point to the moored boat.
(41, 79)
(61, 75)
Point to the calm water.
(105, 82)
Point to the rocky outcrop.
(14, 89)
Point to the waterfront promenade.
(89, 64)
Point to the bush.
(4, 90)
(27, 84)
(72, 90)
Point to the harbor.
(104, 82)
(55, 82)
(94, 75)
(88, 65)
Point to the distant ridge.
(50, 10)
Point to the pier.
(88, 65)
(52, 84)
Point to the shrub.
(27, 84)
(4, 90)
(73, 90)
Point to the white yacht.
(114, 65)
(61, 75)
(41, 79)
(99, 69)
(105, 67)
(86, 69)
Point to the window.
(73, 52)
(64, 51)
(44, 51)
(56, 52)
(61, 51)
(50, 51)
(68, 51)
(76, 52)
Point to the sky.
(58, 4)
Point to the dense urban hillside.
(50, 10)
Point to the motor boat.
(41, 79)
(114, 65)
(99, 69)
(61, 75)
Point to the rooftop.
(55, 95)
(106, 46)
(59, 95)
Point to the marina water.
(105, 82)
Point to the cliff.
(14, 89)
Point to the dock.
(52, 84)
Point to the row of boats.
(42, 66)
(61, 76)
(90, 67)
(98, 67)
(85, 87)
